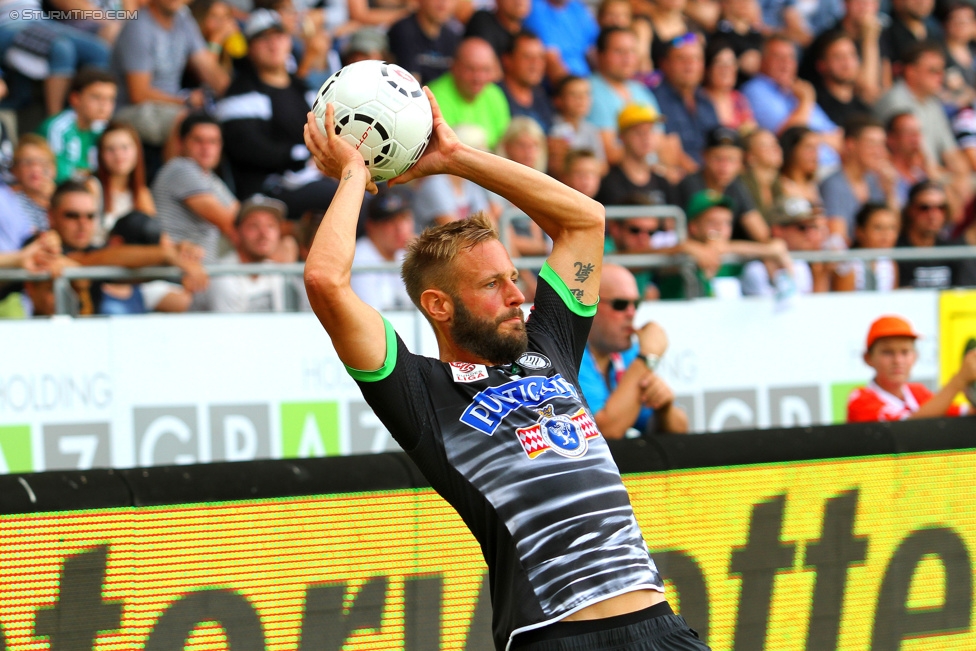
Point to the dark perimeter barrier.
(820, 538)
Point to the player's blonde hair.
(429, 262)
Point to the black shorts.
(653, 629)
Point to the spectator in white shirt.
(258, 227)
(389, 227)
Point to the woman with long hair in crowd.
(761, 176)
(122, 186)
(122, 175)
(721, 72)
(876, 226)
(799, 174)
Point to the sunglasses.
(925, 207)
(803, 228)
(72, 214)
(621, 304)
(635, 230)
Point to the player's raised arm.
(356, 329)
(573, 221)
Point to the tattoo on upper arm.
(583, 271)
(347, 176)
(578, 293)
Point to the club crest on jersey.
(490, 407)
(533, 361)
(465, 372)
(564, 435)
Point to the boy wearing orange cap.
(890, 396)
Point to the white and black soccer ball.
(381, 110)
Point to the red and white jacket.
(872, 403)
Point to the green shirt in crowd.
(75, 149)
(489, 110)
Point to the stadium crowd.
(151, 132)
(143, 133)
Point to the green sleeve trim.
(562, 290)
(391, 359)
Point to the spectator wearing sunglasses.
(635, 236)
(73, 217)
(638, 235)
(923, 220)
(618, 372)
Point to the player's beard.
(482, 337)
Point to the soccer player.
(890, 396)
(497, 423)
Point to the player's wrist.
(355, 170)
(463, 160)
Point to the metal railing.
(683, 263)
(613, 212)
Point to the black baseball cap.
(723, 137)
(137, 228)
(389, 203)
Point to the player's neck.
(449, 352)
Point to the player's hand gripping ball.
(381, 110)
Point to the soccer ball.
(382, 111)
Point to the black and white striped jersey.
(516, 451)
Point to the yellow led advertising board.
(856, 554)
